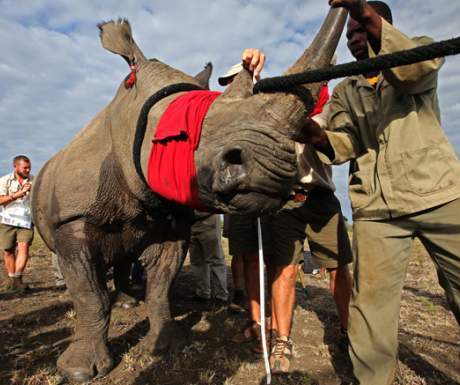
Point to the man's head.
(22, 166)
(356, 34)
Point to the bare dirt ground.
(35, 328)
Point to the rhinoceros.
(93, 208)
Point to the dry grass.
(34, 329)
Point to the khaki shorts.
(10, 235)
(319, 220)
(242, 235)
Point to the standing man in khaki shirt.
(404, 183)
(16, 231)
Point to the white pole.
(262, 303)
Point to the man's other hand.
(254, 60)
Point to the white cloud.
(55, 75)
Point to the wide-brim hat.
(233, 71)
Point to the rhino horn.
(117, 37)
(203, 77)
(318, 55)
(241, 87)
(322, 49)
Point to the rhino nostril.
(232, 171)
(233, 157)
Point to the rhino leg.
(124, 297)
(163, 261)
(85, 275)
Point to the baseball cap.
(233, 71)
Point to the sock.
(18, 274)
(11, 275)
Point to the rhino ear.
(117, 37)
(203, 77)
(241, 87)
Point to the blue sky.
(56, 76)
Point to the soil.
(36, 327)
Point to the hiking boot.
(218, 303)
(249, 332)
(281, 355)
(8, 285)
(271, 338)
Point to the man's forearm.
(6, 199)
(372, 23)
(312, 133)
(322, 144)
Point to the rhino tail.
(117, 37)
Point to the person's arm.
(6, 199)
(383, 39)
(312, 133)
(332, 133)
(411, 79)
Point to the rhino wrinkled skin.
(89, 204)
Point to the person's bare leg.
(251, 281)
(8, 257)
(271, 273)
(22, 257)
(283, 297)
(340, 284)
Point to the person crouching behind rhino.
(16, 229)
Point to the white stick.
(262, 303)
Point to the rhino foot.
(83, 360)
(125, 301)
(171, 337)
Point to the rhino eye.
(233, 157)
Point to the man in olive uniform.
(404, 183)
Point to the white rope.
(262, 303)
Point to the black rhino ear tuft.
(203, 77)
(117, 37)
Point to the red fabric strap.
(323, 97)
(171, 169)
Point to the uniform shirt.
(10, 185)
(312, 171)
(401, 160)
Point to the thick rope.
(153, 200)
(378, 63)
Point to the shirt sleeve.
(3, 186)
(411, 79)
(340, 131)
